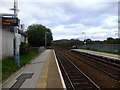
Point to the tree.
(88, 41)
(36, 35)
(67, 43)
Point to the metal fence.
(38, 49)
(113, 48)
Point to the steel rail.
(105, 71)
(99, 59)
(81, 72)
(65, 72)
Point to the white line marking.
(62, 80)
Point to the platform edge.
(61, 77)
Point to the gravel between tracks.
(100, 78)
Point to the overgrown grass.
(9, 66)
(0, 71)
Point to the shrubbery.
(24, 48)
(36, 35)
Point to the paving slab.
(107, 55)
(50, 76)
(32, 70)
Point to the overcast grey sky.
(69, 18)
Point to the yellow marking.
(42, 82)
(7, 23)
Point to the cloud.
(68, 19)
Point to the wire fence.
(38, 49)
(112, 48)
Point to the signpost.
(8, 21)
(18, 42)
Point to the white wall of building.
(22, 38)
(7, 43)
(0, 43)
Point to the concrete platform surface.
(50, 77)
(107, 55)
(40, 73)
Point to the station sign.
(8, 21)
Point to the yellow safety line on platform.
(42, 82)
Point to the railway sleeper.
(100, 58)
(85, 86)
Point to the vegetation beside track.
(9, 66)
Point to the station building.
(7, 41)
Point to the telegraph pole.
(46, 39)
(85, 42)
(17, 35)
(15, 29)
(16, 46)
(118, 26)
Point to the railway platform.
(51, 75)
(106, 55)
(43, 72)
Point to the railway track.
(115, 63)
(65, 57)
(74, 77)
(110, 70)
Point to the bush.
(74, 47)
(24, 48)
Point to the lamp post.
(46, 39)
(16, 35)
(85, 39)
